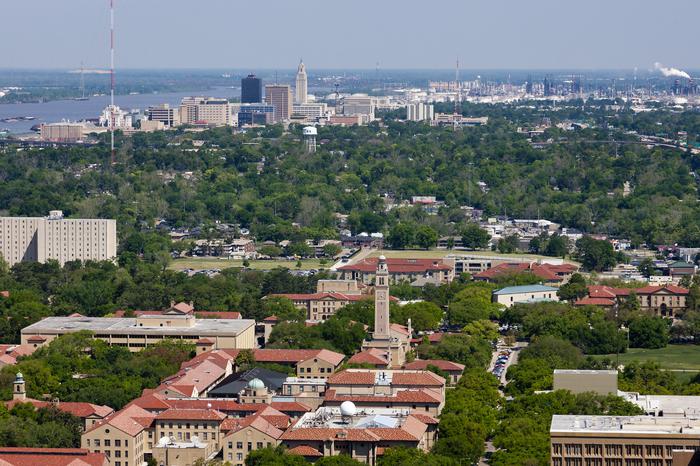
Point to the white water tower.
(310, 133)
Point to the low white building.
(511, 295)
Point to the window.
(117, 443)
(250, 446)
(97, 442)
(239, 445)
(239, 456)
(259, 445)
(108, 442)
(117, 453)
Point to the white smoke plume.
(670, 71)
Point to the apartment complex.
(148, 329)
(280, 97)
(624, 440)
(420, 112)
(39, 239)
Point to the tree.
(484, 329)
(646, 267)
(557, 246)
(648, 332)
(573, 290)
(596, 255)
(424, 315)
(401, 235)
(283, 308)
(273, 456)
(472, 303)
(474, 237)
(268, 250)
(508, 245)
(332, 249)
(426, 237)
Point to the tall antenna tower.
(111, 77)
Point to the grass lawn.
(673, 357)
(439, 253)
(211, 263)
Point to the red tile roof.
(201, 314)
(590, 301)
(401, 396)
(36, 339)
(673, 289)
(131, 420)
(297, 355)
(305, 450)
(398, 265)
(425, 419)
(255, 421)
(352, 378)
(290, 406)
(547, 272)
(373, 356)
(22, 456)
(77, 409)
(422, 364)
(322, 296)
(5, 294)
(424, 379)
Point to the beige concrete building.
(169, 452)
(39, 239)
(62, 132)
(246, 435)
(205, 111)
(145, 330)
(280, 97)
(624, 441)
(123, 438)
(602, 382)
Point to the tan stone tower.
(381, 301)
(392, 343)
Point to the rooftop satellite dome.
(347, 408)
(256, 384)
(382, 258)
(163, 441)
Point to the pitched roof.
(396, 265)
(77, 409)
(330, 296)
(304, 450)
(131, 420)
(422, 364)
(373, 356)
(401, 396)
(352, 378)
(424, 418)
(290, 407)
(547, 272)
(255, 421)
(297, 355)
(233, 384)
(23, 456)
(423, 378)
(673, 289)
(590, 301)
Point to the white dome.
(163, 441)
(382, 258)
(347, 408)
(256, 384)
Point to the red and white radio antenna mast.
(111, 76)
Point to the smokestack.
(669, 72)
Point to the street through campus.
(513, 353)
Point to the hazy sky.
(250, 34)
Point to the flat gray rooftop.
(116, 325)
(625, 425)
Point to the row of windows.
(647, 451)
(108, 443)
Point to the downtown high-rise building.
(280, 97)
(251, 90)
(302, 83)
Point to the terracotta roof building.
(23, 456)
(399, 270)
(363, 435)
(549, 274)
(663, 301)
(452, 368)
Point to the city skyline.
(539, 35)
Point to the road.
(361, 254)
(513, 359)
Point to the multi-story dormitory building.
(176, 423)
(39, 239)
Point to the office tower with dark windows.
(251, 90)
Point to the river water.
(74, 110)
